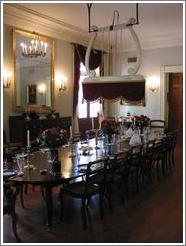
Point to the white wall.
(63, 64)
(152, 61)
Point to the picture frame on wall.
(31, 94)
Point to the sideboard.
(18, 127)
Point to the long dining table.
(72, 165)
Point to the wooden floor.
(154, 215)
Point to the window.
(86, 109)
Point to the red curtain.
(79, 56)
(77, 62)
(95, 56)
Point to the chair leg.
(137, 180)
(43, 193)
(33, 188)
(88, 201)
(122, 192)
(158, 171)
(164, 163)
(83, 213)
(21, 196)
(173, 159)
(14, 225)
(127, 185)
(143, 175)
(61, 204)
(101, 195)
(108, 195)
(26, 188)
(150, 171)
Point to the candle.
(28, 138)
(71, 132)
(92, 122)
(45, 47)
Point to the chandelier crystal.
(34, 49)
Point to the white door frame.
(163, 70)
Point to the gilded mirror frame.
(51, 41)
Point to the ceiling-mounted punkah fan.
(112, 39)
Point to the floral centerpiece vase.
(52, 138)
(141, 122)
(109, 127)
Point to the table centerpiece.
(140, 122)
(109, 127)
(52, 138)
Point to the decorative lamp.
(7, 79)
(153, 83)
(61, 81)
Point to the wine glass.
(87, 135)
(20, 161)
(5, 164)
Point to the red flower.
(141, 121)
(52, 136)
(109, 127)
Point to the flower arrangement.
(52, 137)
(109, 127)
(140, 121)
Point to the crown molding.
(46, 18)
(19, 16)
(162, 41)
(157, 42)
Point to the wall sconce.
(61, 81)
(7, 79)
(153, 83)
(63, 84)
(41, 89)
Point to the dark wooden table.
(71, 167)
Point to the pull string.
(102, 55)
(120, 53)
(108, 57)
(114, 46)
(116, 56)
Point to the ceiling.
(162, 22)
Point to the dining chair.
(169, 143)
(85, 126)
(86, 188)
(118, 175)
(171, 148)
(157, 125)
(135, 162)
(159, 156)
(147, 160)
(10, 193)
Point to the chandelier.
(34, 49)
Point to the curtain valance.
(131, 91)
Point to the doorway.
(175, 103)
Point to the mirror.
(33, 71)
